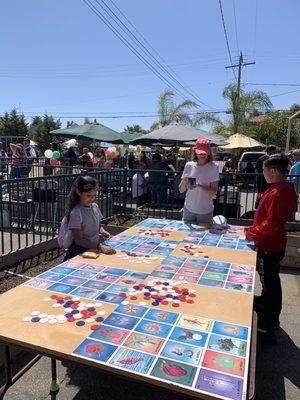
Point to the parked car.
(249, 156)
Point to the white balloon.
(48, 153)
(113, 149)
(91, 154)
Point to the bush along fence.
(31, 208)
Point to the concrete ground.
(277, 369)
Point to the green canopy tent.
(91, 131)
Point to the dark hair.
(277, 161)
(156, 156)
(82, 184)
(271, 148)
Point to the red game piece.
(71, 319)
(54, 296)
(182, 298)
(192, 294)
(95, 327)
(68, 298)
(165, 302)
(190, 301)
(133, 297)
(175, 304)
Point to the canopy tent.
(240, 141)
(92, 132)
(176, 135)
(128, 137)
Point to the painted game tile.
(167, 317)
(61, 288)
(132, 360)
(220, 384)
(174, 261)
(110, 334)
(93, 268)
(136, 275)
(80, 273)
(85, 292)
(182, 352)
(62, 270)
(241, 274)
(121, 321)
(243, 268)
(117, 288)
(235, 331)
(38, 283)
(211, 282)
(162, 274)
(235, 279)
(74, 264)
(189, 336)
(218, 264)
(51, 276)
(174, 371)
(214, 276)
(224, 362)
(217, 270)
(98, 285)
(115, 271)
(223, 245)
(73, 280)
(241, 287)
(197, 263)
(142, 342)
(111, 298)
(131, 309)
(228, 345)
(153, 328)
(198, 323)
(190, 279)
(95, 350)
(167, 268)
(190, 272)
(102, 276)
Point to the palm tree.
(241, 106)
(170, 112)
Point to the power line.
(159, 73)
(281, 94)
(226, 37)
(235, 25)
(255, 28)
(272, 84)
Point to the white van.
(249, 156)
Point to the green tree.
(273, 129)
(13, 124)
(170, 112)
(40, 131)
(134, 129)
(241, 105)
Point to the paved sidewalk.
(277, 374)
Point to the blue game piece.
(80, 323)
(99, 319)
(185, 293)
(147, 294)
(35, 319)
(68, 303)
(175, 297)
(91, 309)
(155, 303)
(69, 315)
(60, 301)
(136, 287)
(166, 283)
(151, 289)
(148, 287)
(169, 296)
(74, 312)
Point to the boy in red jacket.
(269, 235)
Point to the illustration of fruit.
(231, 329)
(173, 369)
(131, 360)
(94, 349)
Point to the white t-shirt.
(137, 180)
(197, 200)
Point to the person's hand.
(186, 177)
(106, 235)
(106, 249)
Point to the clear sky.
(58, 57)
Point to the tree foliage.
(134, 129)
(40, 131)
(13, 124)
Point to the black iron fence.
(31, 208)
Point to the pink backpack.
(65, 235)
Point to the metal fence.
(32, 208)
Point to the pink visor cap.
(202, 147)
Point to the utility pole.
(240, 65)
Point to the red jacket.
(276, 205)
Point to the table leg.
(54, 385)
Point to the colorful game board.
(166, 322)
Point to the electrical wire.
(235, 26)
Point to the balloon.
(54, 162)
(108, 164)
(48, 153)
(56, 154)
(113, 149)
(95, 161)
(91, 154)
(113, 154)
(107, 153)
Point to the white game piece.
(43, 315)
(51, 316)
(192, 291)
(47, 299)
(81, 308)
(56, 305)
(90, 305)
(82, 304)
(101, 313)
(125, 302)
(60, 317)
(26, 319)
(90, 320)
(131, 290)
(62, 321)
(52, 321)
(35, 313)
(176, 301)
(169, 299)
(142, 303)
(119, 255)
(68, 309)
(76, 298)
(98, 304)
(43, 320)
(77, 316)
(131, 261)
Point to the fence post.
(125, 178)
(225, 194)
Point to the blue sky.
(58, 57)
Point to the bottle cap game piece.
(56, 305)
(35, 313)
(47, 299)
(95, 327)
(101, 313)
(43, 315)
(80, 323)
(43, 320)
(90, 320)
(52, 321)
(26, 319)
